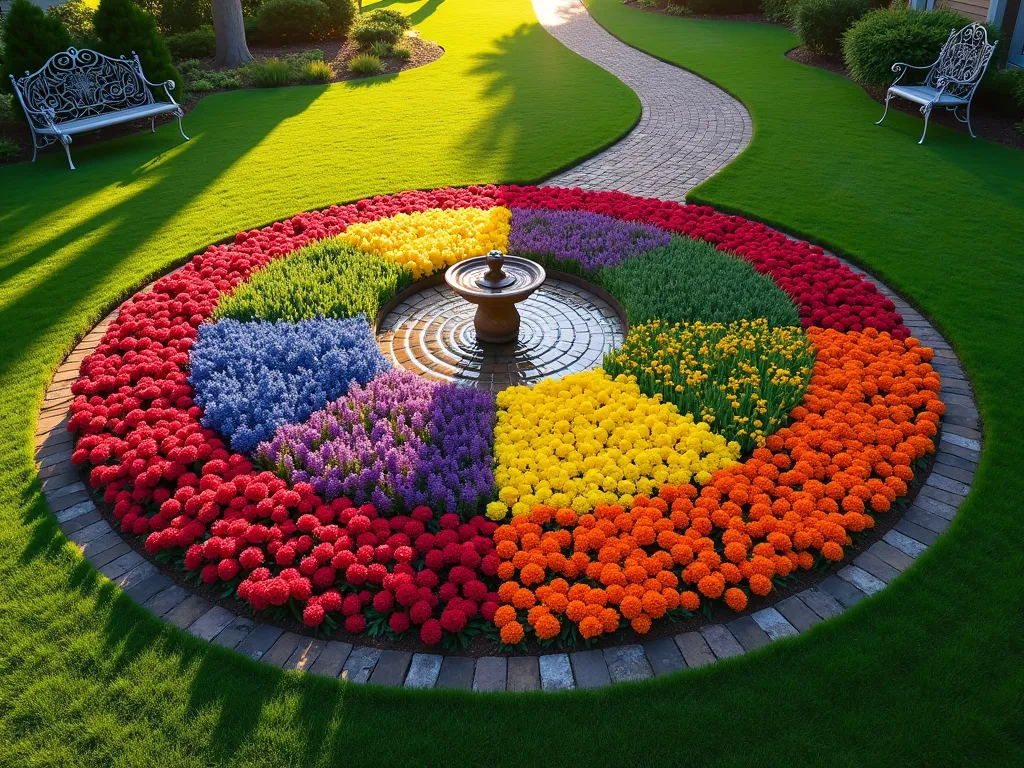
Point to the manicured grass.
(927, 674)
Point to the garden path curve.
(688, 131)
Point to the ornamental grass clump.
(365, 65)
(589, 241)
(690, 280)
(743, 378)
(327, 278)
(398, 442)
(251, 378)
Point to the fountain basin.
(495, 283)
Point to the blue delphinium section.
(250, 378)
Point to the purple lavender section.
(398, 442)
(592, 240)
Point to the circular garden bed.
(765, 409)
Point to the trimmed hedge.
(821, 23)
(887, 35)
(292, 21)
(197, 44)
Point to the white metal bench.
(951, 81)
(81, 90)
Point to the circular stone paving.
(566, 328)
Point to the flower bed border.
(957, 454)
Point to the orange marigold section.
(870, 411)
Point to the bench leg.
(152, 125)
(970, 130)
(179, 114)
(887, 97)
(66, 142)
(926, 110)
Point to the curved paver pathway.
(689, 129)
(958, 453)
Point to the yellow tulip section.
(588, 439)
(431, 240)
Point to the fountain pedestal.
(495, 283)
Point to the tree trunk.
(229, 28)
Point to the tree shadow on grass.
(416, 17)
(168, 184)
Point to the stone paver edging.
(625, 167)
(689, 128)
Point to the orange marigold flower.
(547, 626)
(590, 627)
(507, 590)
(641, 624)
(506, 571)
(609, 619)
(736, 598)
(504, 615)
(760, 585)
(576, 610)
(531, 574)
(832, 551)
(654, 604)
(689, 600)
(524, 598)
(631, 607)
(711, 585)
(512, 633)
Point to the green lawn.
(928, 673)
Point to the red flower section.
(829, 294)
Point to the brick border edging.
(957, 455)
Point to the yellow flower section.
(587, 440)
(431, 240)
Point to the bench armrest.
(901, 68)
(167, 85)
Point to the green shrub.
(197, 44)
(9, 149)
(401, 52)
(198, 79)
(299, 59)
(821, 23)
(76, 16)
(327, 278)
(177, 16)
(365, 64)
(292, 21)
(380, 26)
(272, 73)
(122, 28)
(1003, 90)
(380, 49)
(315, 72)
(30, 38)
(723, 7)
(341, 14)
(887, 35)
(388, 18)
(780, 11)
(8, 111)
(1018, 92)
(677, 10)
(366, 35)
(689, 280)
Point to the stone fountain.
(495, 283)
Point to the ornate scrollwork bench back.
(81, 90)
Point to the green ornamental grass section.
(926, 674)
(327, 278)
(689, 280)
